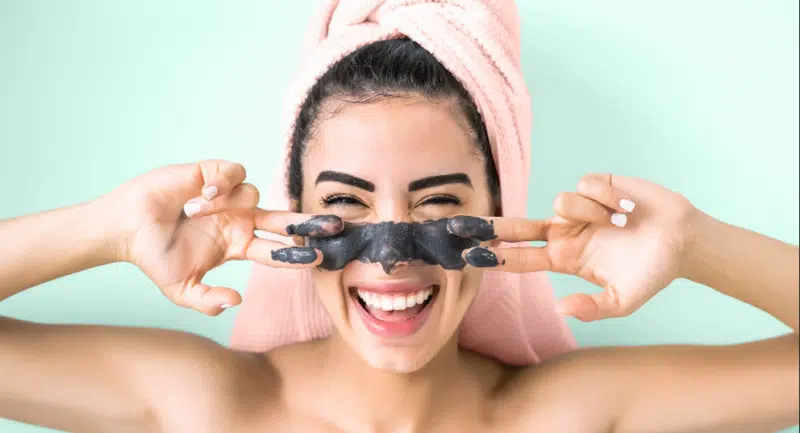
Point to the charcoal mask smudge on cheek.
(390, 243)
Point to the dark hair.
(385, 69)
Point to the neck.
(382, 398)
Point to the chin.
(400, 322)
(394, 362)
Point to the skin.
(167, 381)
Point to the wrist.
(104, 230)
(698, 255)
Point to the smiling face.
(402, 160)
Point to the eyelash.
(442, 200)
(349, 200)
(340, 200)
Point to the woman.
(408, 151)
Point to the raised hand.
(181, 221)
(626, 235)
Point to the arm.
(746, 388)
(748, 266)
(86, 378)
(94, 378)
(42, 247)
(743, 388)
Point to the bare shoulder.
(199, 385)
(297, 368)
(124, 378)
(659, 388)
(567, 394)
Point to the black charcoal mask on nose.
(390, 243)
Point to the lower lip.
(393, 329)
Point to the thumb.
(590, 307)
(203, 298)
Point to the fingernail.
(295, 255)
(191, 208)
(471, 227)
(318, 226)
(619, 219)
(210, 192)
(627, 205)
(225, 306)
(481, 258)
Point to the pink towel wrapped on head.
(512, 318)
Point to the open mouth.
(394, 314)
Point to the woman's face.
(401, 160)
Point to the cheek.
(328, 287)
(428, 213)
(462, 288)
(470, 280)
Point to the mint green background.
(700, 96)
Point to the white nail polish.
(619, 219)
(210, 192)
(627, 205)
(191, 209)
(226, 306)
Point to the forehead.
(399, 138)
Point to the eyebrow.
(444, 179)
(335, 176)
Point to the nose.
(393, 208)
(392, 246)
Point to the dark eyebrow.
(430, 182)
(335, 176)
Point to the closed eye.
(441, 200)
(341, 200)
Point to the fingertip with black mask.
(471, 227)
(295, 255)
(481, 257)
(320, 225)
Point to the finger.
(297, 224)
(515, 260)
(575, 207)
(590, 307)
(279, 255)
(502, 229)
(599, 187)
(206, 299)
(242, 196)
(220, 177)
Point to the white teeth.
(394, 303)
(411, 300)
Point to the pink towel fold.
(512, 318)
